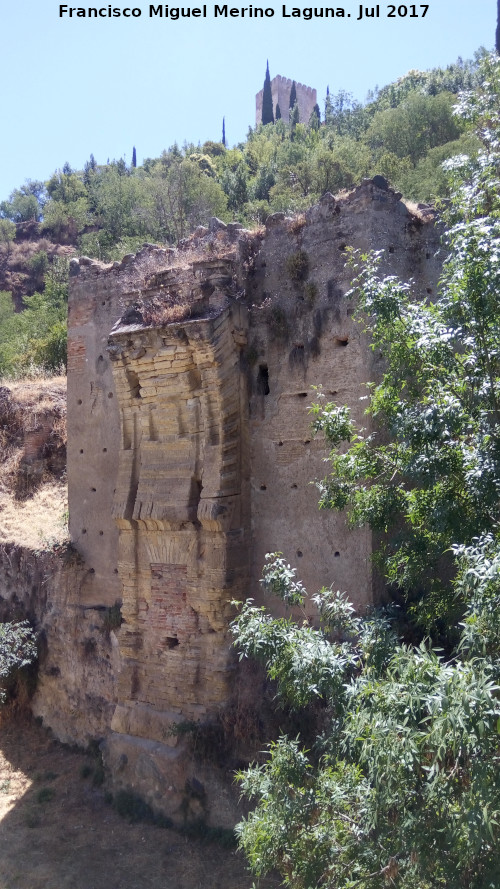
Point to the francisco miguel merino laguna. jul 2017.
(224, 11)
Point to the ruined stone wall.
(78, 652)
(191, 424)
(301, 336)
(280, 89)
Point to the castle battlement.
(288, 83)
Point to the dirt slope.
(57, 831)
(33, 491)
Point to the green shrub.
(298, 266)
(45, 795)
(310, 292)
(17, 651)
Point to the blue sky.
(72, 86)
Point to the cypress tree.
(267, 100)
(224, 131)
(89, 168)
(134, 157)
(277, 116)
(293, 97)
(328, 108)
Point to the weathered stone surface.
(216, 225)
(191, 454)
(274, 219)
(78, 653)
(171, 780)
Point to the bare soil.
(59, 831)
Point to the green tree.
(402, 784)
(315, 118)
(427, 180)
(267, 100)
(7, 232)
(36, 337)
(235, 187)
(89, 171)
(294, 119)
(263, 182)
(65, 187)
(178, 197)
(25, 203)
(38, 265)
(409, 130)
(17, 650)
(21, 207)
(278, 111)
(328, 108)
(329, 172)
(114, 197)
(64, 220)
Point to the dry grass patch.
(39, 521)
(33, 493)
(39, 392)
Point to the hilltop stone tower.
(280, 88)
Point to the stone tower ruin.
(191, 455)
(280, 88)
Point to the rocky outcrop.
(78, 652)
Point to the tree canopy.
(404, 131)
(402, 785)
